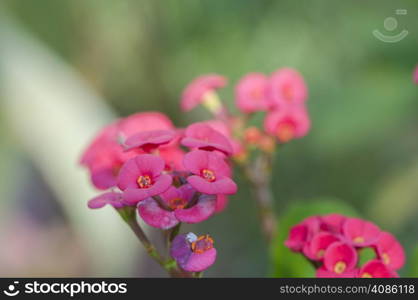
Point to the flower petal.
(224, 186)
(155, 216)
(111, 198)
(202, 210)
(199, 262)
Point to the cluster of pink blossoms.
(282, 96)
(173, 175)
(333, 243)
(141, 161)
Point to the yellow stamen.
(208, 175)
(386, 258)
(177, 203)
(144, 181)
(358, 239)
(202, 244)
(212, 102)
(339, 267)
(285, 132)
(366, 275)
(320, 253)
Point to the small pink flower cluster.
(141, 159)
(282, 95)
(333, 243)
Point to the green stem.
(129, 216)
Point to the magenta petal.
(103, 179)
(221, 203)
(376, 269)
(180, 249)
(204, 208)
(154, 137)
(134, 195)
(196, 160)
(390, 251)
(161, 185)
(199, 262)
(297, 238)
(360, 233)
(111, 198)
(128, 175)
(155, 216)
(224, 186)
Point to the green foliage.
(286, 263)
(366, 254)
(413, 264)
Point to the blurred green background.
(362, 151)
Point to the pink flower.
(149, 140)
(340, 258)
(415, 76)
(194, 93)
(173, 157)
(144, 121)
(141, 177)
(360, 233)
(221, 203)
(202, 136)
(286, 86)
(333, 223)
(319, 244)
(192, 253)
(104, 156)
(182, 208)
(225, 129)
(250, 93)
(210, 173)
(111, 198)
(390, 251)
(322, 272)
(300, 235)
(376, 269)
(287, 124)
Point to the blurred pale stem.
(128, 214)
(258, 174)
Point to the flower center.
(177, 203)
(339, 267)
(358, 239)
(287, 92)
(202, 244)
(320, 253)
(256, 94)
(366, 275)
(144, 181)
(208, 175)
(285, 132)
(386, 258)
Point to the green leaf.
(286, 263)
(413, 264)
(365, 255)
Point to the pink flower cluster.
(334, 242)
(142, 160)
(282, 95)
